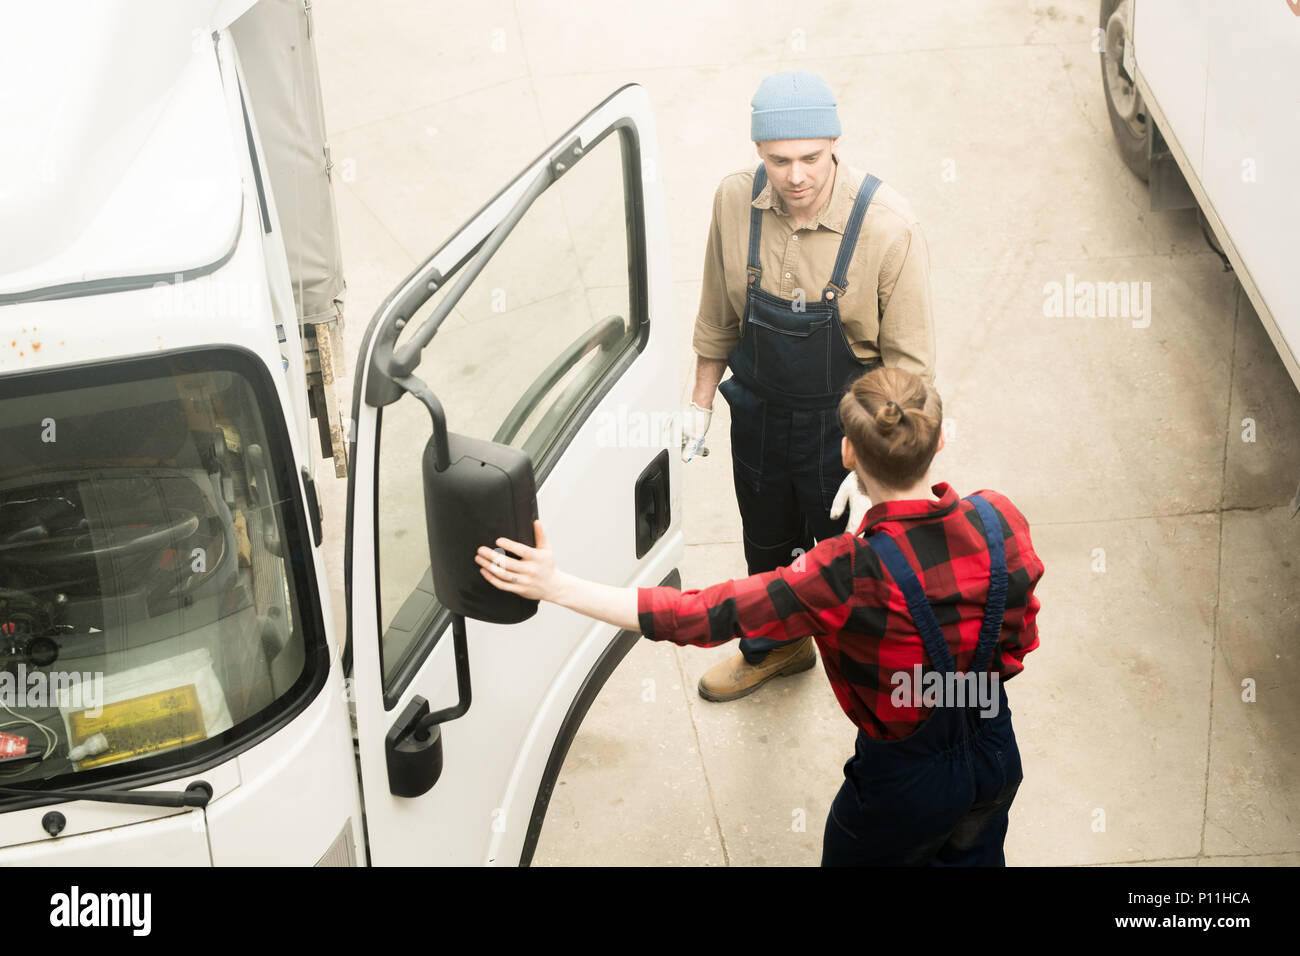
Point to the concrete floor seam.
(1175, 859)
(1218, 584)
(379, 222)
(426, 106)
(699, 752)
(1233, 509)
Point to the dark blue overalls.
(788, 372)
(940, 796)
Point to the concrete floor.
(1171, 563)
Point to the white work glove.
(695, 423)
(850, 494)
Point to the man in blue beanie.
(813, 275)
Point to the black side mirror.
(475, 491)
(484, 491)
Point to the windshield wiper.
(196, 794)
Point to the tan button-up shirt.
(886, 310)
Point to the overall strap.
(756, 226)
(996, 604)
(840, 277)
(917, 603)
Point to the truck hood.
(121, 161)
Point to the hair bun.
(888, 416)
(892, 418)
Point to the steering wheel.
(126, 539)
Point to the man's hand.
(532, 575)
(851, 494)
(695, 424)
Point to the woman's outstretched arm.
(814, 595)
(534, 575)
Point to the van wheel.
(1128, 116)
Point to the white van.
(1204, 101)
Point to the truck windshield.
(156, 593)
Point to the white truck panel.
(1252, 145)
(127, 174)
(1220, 80)
(1171, 41)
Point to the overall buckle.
(832, 290)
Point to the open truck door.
(554, 367)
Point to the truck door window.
(544, 328)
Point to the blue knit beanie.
(795, 104)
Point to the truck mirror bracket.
(413, 746)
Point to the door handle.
(653, 504)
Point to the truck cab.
(171, 301)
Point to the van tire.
(1129, 121)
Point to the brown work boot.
(734, 677)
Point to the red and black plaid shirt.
(840, 594)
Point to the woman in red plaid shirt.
(920, 616)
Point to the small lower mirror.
(487, 491)
(414, 765)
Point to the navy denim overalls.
(940, 796)
(788, 372)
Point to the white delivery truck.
(173, 686)
(1204, 101)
